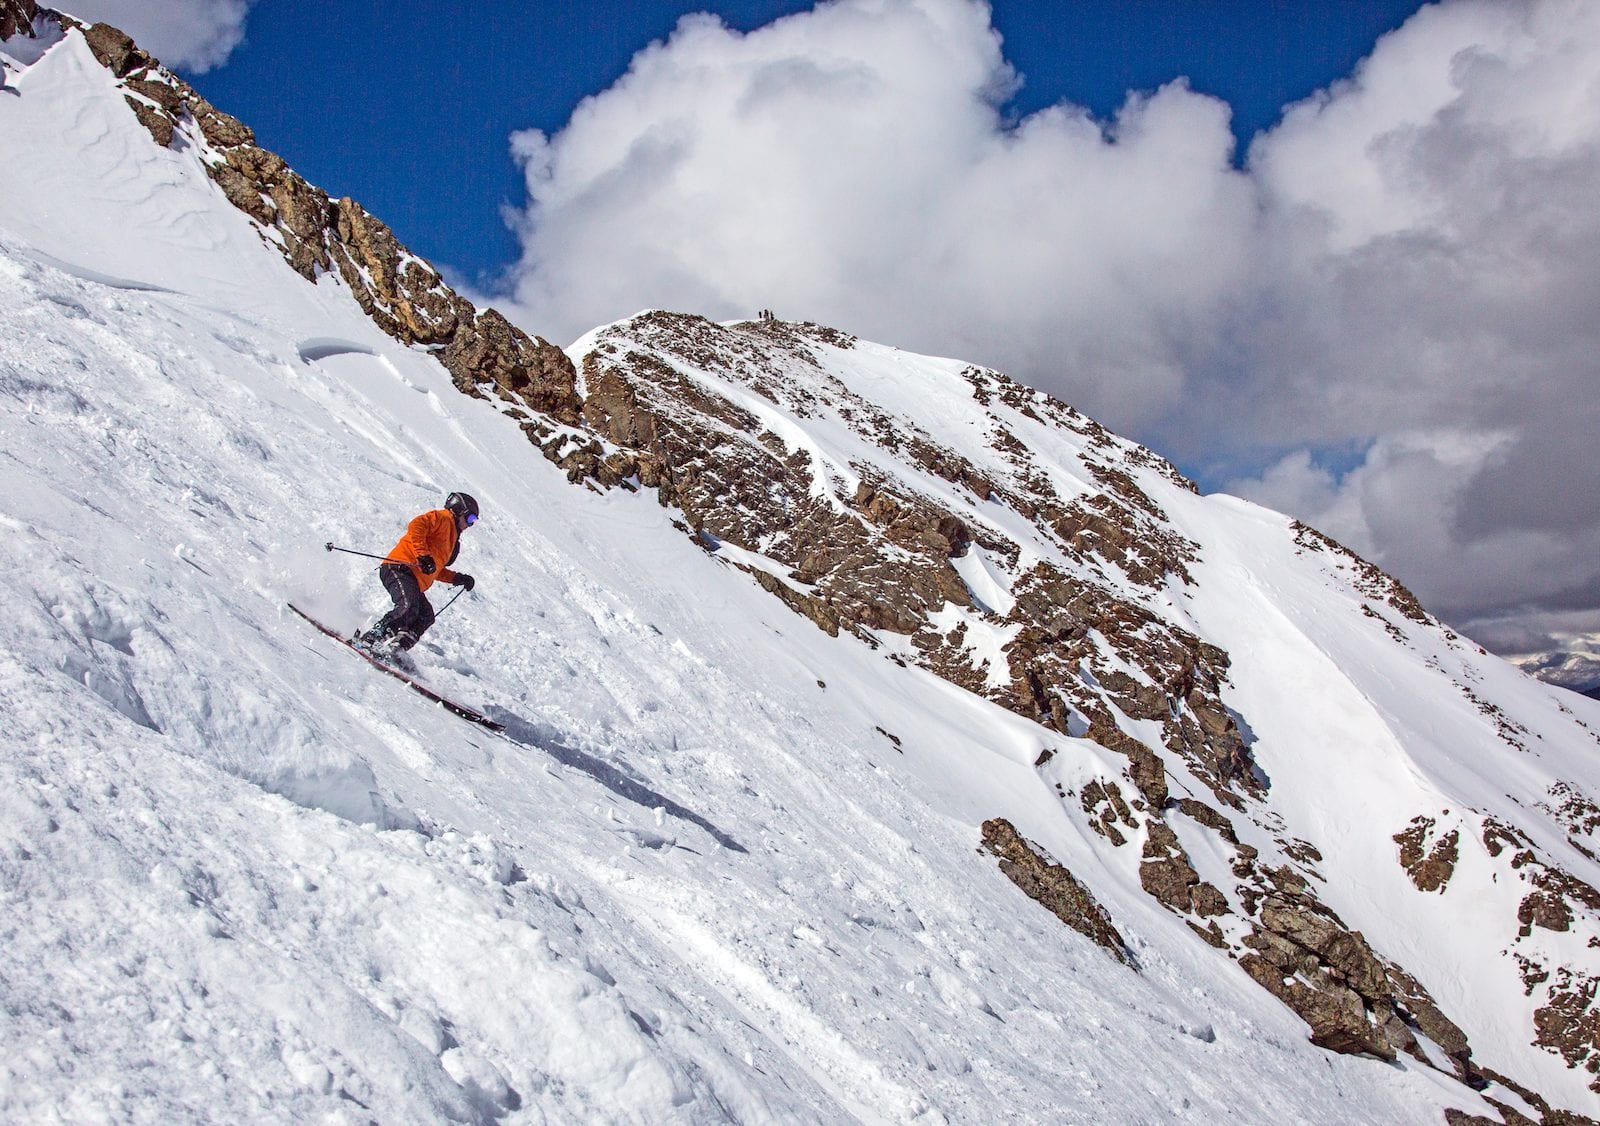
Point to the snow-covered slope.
(724, 865)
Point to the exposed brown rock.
(1550, 904)
(1210, 818)
(1207, 900)
(1165, 873)
(1409, 995)
(1574, 809)
(612, 407)
(1104, 804)
(222, 130)
(1053, 886)
(1343, 952)
(163, 94)
(493, 350)
(154, 119)
(390, 282)
(1431, 869)
(114, 49)
(1569, 1024)
(16, 17)
(803, 604)
(1454, 1117)
(244, 193)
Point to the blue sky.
(415, 123)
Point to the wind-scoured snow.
(722, 867)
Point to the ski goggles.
(472, 518)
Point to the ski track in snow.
(245, 877)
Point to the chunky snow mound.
(723, 867)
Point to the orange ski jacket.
(432, 533)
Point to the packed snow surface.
(245, 877)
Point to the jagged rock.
(1053, 886)
(1444, 1032)
(1105, 805)
(244, 193)
(1369, 577)
(115, 50)
(612, 407)
(222, 130)
(493, 350)
(1454, 1117)
(390, 284)
(154, 119)
(1336, 1015)
(1207, 900)
(1429, 870)
(263, 168)
(164, 94)
(303, 215)
(16, 17)
(805, 605)
(1345, 953)
(1210, 818)
(1549, 905)
(1165, 873)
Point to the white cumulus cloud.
(1407, 266)
(193, 35)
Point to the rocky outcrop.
(115, 50)
(1569, 1023)
(404, 295)
(1306, 957)
(876, 558)
(1053, 887)
(488, 349)
(1429, 869)
(872, 555)
(16, 17)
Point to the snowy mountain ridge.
(829, 640)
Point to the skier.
(412, 568)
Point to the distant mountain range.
(1576, 670)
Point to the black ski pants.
(412, 613)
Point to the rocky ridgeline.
(676, 403)
(402, 294)
(1053, 887)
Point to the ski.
(471, 715)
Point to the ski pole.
(386, 559)
(365, 555)
(452, 601)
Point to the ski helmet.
(462, 505)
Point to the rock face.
(1429, 869)
(1053, 887)
(16, 17)
(861, 552)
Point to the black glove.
(425, 563)
(464, 580)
